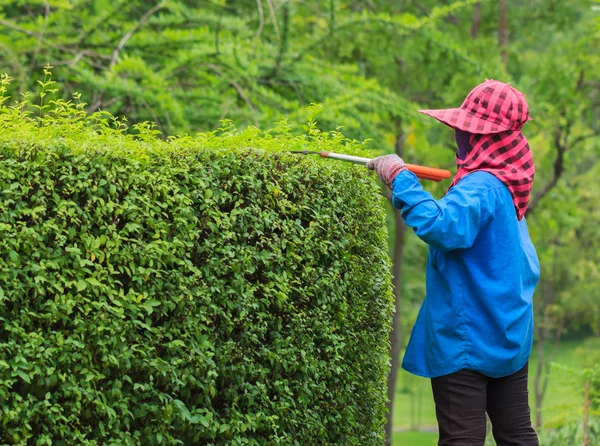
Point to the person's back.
(480, 294)
(474, 332)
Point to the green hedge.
(205, 290)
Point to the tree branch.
(557, 337)
(562, 144)
(503, 32)
(273, 18)
(239, 90)
(115, 56)
(476, 20)
(283, 42)
(261, 19)
(558, 170)
(38, 43)
(584, 137)
(17, 28)
(126, 37)
(78, 55)
(396, 332)
(368, 5)
(154, 116)
(452, 19)
(13, 59)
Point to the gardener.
(474, 331)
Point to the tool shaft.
(341, 156)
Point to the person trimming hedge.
(473, 334)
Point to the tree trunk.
(476, 20)
(539, 394)
(503, 32)
(542, 376)
(396, 334)
(586, 412)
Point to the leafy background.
(371, 64)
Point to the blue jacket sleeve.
(447, 224)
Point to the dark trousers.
(463, 398)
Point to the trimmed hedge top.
(199, 290)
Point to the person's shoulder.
(481, 181)
(490, 191)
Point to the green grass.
(559, 396)
(411, 438)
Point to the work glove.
(387, 167)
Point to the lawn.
(418, 411)
(411, 438)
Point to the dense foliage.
(207, 290)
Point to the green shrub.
(571, 434)
(205, 290)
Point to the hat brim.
(457, 118)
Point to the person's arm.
(447, 224)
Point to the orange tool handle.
(429, 173)
(427, 177)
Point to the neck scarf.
(505, 155)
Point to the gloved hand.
(387, 167)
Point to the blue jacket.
(481, 274)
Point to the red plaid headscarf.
(508, 157)
(494, 113)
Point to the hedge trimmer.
(423, 172)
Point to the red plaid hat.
(491, 107)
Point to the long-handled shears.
(423, 172)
